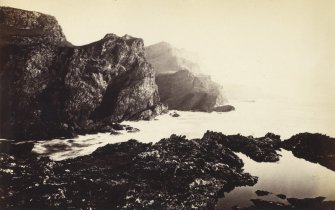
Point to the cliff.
(185, 91)
(166, 58)
(49, 88)
(180, 82)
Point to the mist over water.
(251, 117)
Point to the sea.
(291, 176)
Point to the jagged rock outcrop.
(180, 82)
(174, 173)
(166, 59)
(183, 90)
(316, 203)
(50, 88)
(313, 147)
(262, 149)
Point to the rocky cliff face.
(185, 91)
(166, 58)
(180, 84)
(50, 88)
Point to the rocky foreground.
(316, 203)
(174, 173)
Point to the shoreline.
(184, 172)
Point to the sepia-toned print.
(167, 104)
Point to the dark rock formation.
(281, 196)
(49, 88)
(130, 129)
(264, 204)
(174, 114)
(316, 148)
(114, 132)
(306, 202)
(185, 91)
(224, 108)
(21, 149)
(166, 59)
(262, 193)
(261, 149)
(317, 203)
(26, 27)
(174, 173)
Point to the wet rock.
(117, 127)
(281, 196)
(22, 149)
(262, 193)
(174, 173)
(114, 132)
(294, 203)
(306, 202)
(224, 108)
(68, 90)
(315, 148)
(132, 130)
(174, 114)
(264, 204)
(261, 149)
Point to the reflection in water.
(291, 176)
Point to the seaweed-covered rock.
(21, 149)
(50, 88)
(316, 148)
(317, 203)
(261, 149)
(262, 193)
(174, 173)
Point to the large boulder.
(49, 88)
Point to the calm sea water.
(290, 176)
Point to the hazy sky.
(281, 46)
